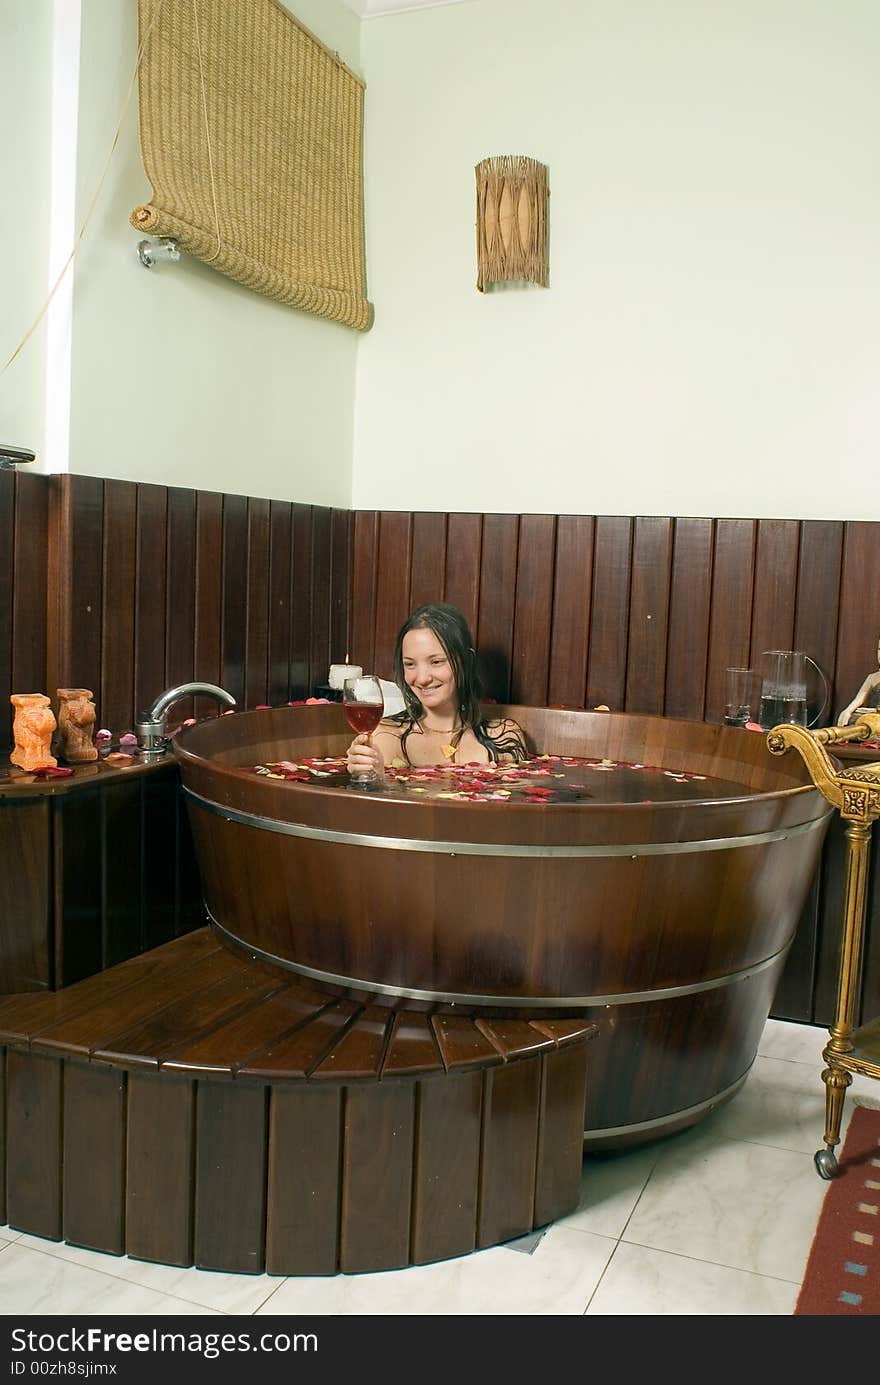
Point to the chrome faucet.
(150, 726)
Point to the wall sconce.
(512, 196)
(163, 248)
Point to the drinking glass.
(364, 708)
(742, 695)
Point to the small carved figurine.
(76, 718)
(32, 728)
(867, 699)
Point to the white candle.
(339, 673)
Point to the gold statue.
(76, 718)
(867, 699)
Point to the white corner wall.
(25, 114)
(709, 343)
(180, 375)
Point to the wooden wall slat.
(649, 614)
(464, 546)
(233, 619)
(533, 615)
(818, 600)
(180, 598)
(494, 632)
(301, 602)
(115, 696)
(319, 611)
(149, 659)
(731, 614)
(280, 528)
(29, 589)
(775, 587)
(209, 592)
(612, 568)
(74, 657)
(687, 651)
(257, 647)
(428, 566)
(364, 574)
(341, 529)
(93, 1211)
(572, 594)
(7, 558)
(392, 586)
(858, 627)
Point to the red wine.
(364, 716)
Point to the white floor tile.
(798, 1043)
(748, 1206)
(558, 1278)
(611, 1185)
(225, 1293)
(653, 1282)
(34, 1283)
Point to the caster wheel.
(826, 1164)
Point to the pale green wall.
(25, 108)
(709, 343)
(180, 375)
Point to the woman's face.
(428, 672)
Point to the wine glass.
(364, 708)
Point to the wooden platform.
(194, 1107)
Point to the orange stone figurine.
(76, 718)
(32, 728)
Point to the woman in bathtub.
(435, 666)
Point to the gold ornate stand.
(856, 795)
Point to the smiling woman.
(435, 665)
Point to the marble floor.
(715, 1221)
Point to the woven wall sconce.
(511, 220)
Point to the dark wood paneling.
(494, 630)
(428, 566)
(301, 602)
(858, 625)
(572, 592)
(29, 591)
(818, 600)
(464, 546)
(257, 650)
(231, 1154)
(533, 619)
(26, 957)
(159, 1157)
(75, 591)
(377, 1163)
(509, 1156)
(392, 587)
(775, 587)
(612, 575)
(731, 614)
(209, 591)
(341, 529)
(235, 575)
(94, 1157)
(33, 1144)
(7, 561)
(649, 615)
(115, 695)
(302, 1214)
(322, 584)
(180, 599)
(689, 605)
(280, 529)
(447, 1162)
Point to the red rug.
(843, 1271)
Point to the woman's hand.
(364, 756)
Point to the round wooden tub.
(666, 923)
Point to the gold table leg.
(836, 1077)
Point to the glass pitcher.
(784, 688)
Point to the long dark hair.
(453, 632)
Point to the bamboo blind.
(251, 136)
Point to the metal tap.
(150, 726)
